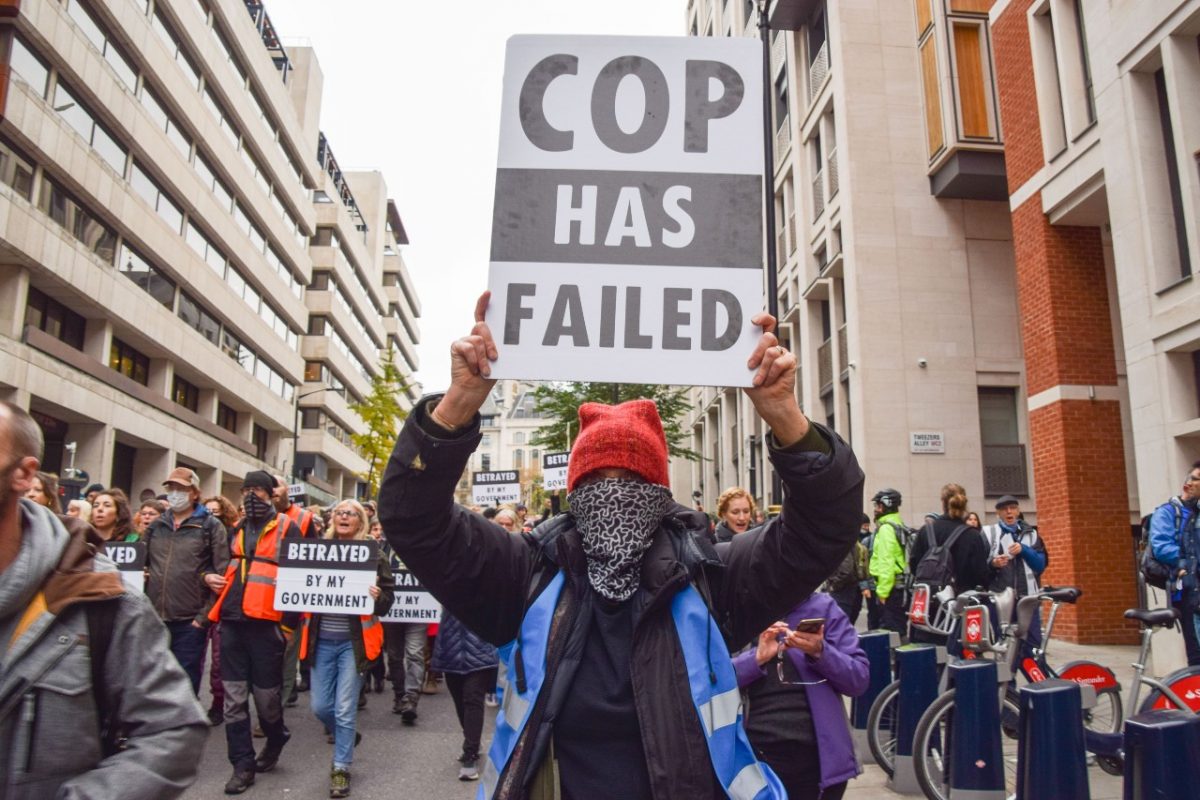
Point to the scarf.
(257, 511)
(617, 519)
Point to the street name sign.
(326, 576)
(926, 442)
(554, 471)
(627, 237)
(488, 488)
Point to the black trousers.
(468, 691)
(874, 613)
(850, 601)
(799, 769)
(895, 612)
(1186, 616)
(252, 664)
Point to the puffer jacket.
(459, 651)
(488, 577)
(49, 722)
(177, 559)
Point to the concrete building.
(510, 420)
(170, 291)
(896, 283)
(1103, 136)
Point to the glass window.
(97, 36)
(145, 275)
(310, 418)
(226, 418)
(79, 118)
(129, 362)
(64, 210)
(28, 66)
(185, 394)
(52, 317)
(170, 212)
(16, 170)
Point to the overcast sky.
(413, 89)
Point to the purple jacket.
(844, 666)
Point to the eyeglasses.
(345, 512)
(779, 662)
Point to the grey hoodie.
(49, 742)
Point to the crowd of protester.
(211, 565)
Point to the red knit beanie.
(626, 436)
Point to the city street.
(393, 760)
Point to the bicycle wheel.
(882, 722)
(1185, 683)
(931, 746)
(1108, 714)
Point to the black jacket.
(970, 554)
(177, 561)
(488, 577)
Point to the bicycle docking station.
(917, 664)
(1162, 755)
(878, 646)
(1051, 757)
(976, 764)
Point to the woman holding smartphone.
(794, 682)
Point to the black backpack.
(936, 567)
(1155, 572)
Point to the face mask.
(179, 501)
(617, 519)
(257, 509)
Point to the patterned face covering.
(617, 518)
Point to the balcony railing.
(270, 39)
(783, 137)
(818, 70)
(818, 192)
(1004, 470)
(825, 365)
(831, 169)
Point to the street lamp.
(296, 428)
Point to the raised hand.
(471, 360)
(774, 391)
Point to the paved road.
(393, 760)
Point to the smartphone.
(810, 625)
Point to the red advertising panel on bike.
(919, 611)
(1033, 672)
(973, 623)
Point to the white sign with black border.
(413, 603)
(130, 558)
(501, 486)
(927, 442)
(326, 576)
(627, 228)
(554, 471)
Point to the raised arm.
(475, 568)
(771, 569)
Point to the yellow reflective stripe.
(252, 578)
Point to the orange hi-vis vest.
(300, 517)
(372, 636)
(258, 572)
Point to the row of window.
(320, 326)
(319, 372)
(327, 281)
(316, 419)
(327, 237)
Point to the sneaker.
(240, 781)
(269, 757)
(339, 783)
(431, 685)
(258, 732)
(398, 704)
(468, 771)
(216, 716)
(292, 699)
(489, 700)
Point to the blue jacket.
(458, 651)
(844, 668)
(1166, 526)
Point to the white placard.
(927, 442)
(554, 471)
(130, 558)
(326, 576)
(627, 224)
(296, 490)
(489, 488)
(413, 603)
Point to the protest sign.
(554, 471)
(413, 603)
(130, 558)
(326, 576)
(627, 239)
(488, 488)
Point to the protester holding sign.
(604, 611)
(339, 649)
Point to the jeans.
(187, 645)
(405, 645)
(251, 664)
(335, 687)
(468, 691)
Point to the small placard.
(296, 490)
(413, 603)
(554, 471)
(130, 558)
(927, 442)
(326, 576)
(488, 488)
